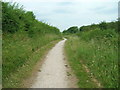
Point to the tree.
(103, 25)
(71, 30)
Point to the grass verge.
(16, 79)
(99, 54)
(84, 80)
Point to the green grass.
(98, 50)
(21, 53)
(71, 47)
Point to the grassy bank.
(16, 78)
(71, 49)
(98, 50)
(17, 53)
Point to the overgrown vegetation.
(73, 29)
(23, 35)
(25, 41)
(97, 47)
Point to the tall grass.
(17, 50)
(71, 50)
(98, 50)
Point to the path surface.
(53, 73)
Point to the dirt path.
(53, 73)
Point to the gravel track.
(53, 72)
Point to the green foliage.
(97, 47)
(10, 14)
(23, 35)
(16, 18)
(102, 26)
(71, 30)
(99, 51)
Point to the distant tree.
(103, 25)
(73, 29)
(81, 28)
(65, 31)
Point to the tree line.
(15, 18)
(102, 26)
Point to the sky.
(66, 13)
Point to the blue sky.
(66, 13)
